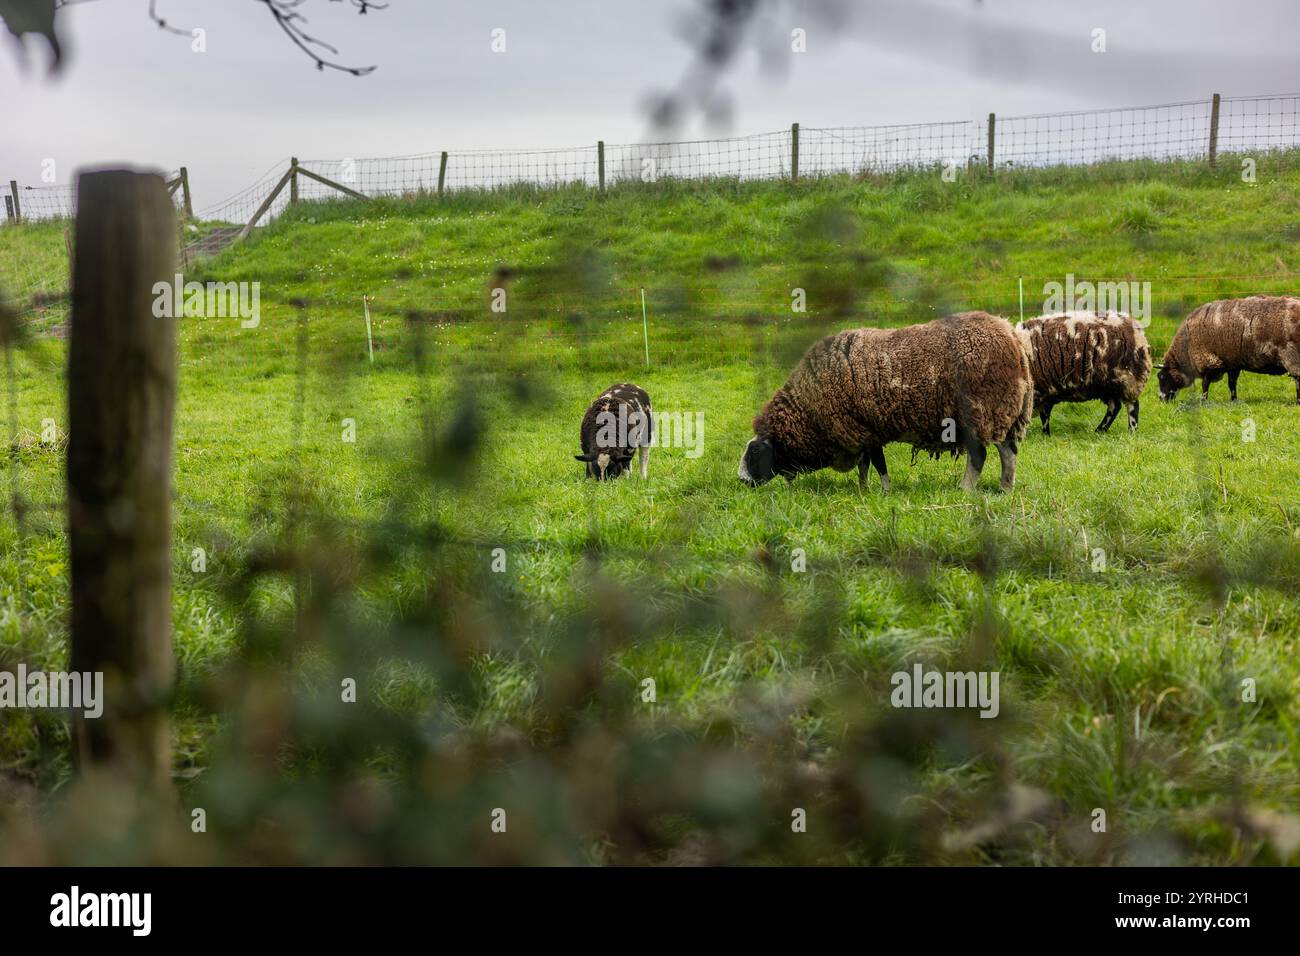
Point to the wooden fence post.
(18, 208)
(1214, 131)
(993, 125)
(266, 204)
(600, 162)
(794, 152)
(185, 192)
(293, 179)
(317, 177)
(121, 397)
(442, 172)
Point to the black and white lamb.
(618, 425)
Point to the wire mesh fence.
(1260, 123)
(1166, 131)
(1171, 131)
(885, 149)
(57, 201)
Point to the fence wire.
(59, 201)
(1160, 132)
(326, 554)
(579, 735)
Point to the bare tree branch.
(290, 21)
(287, 17)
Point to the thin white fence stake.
(1021, 280)
(370, 342)
(645, 330)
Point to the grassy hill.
(1121, 675)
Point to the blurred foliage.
(476, 692)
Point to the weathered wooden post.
(18, 208)
(121, 395)
(600, 162)
(293, 179)
(993, 125)
(1214, 131)
(185, 192)
(794, 152)
(442, 172)
(266, 204)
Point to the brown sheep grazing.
(1256, 334)
(954, 384)
(618, 425)
(1087, 356)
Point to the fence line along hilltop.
(1190, 130)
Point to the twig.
(288, 19)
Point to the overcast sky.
(575, 71)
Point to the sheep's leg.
(1007, 451)
(1133, 416)
(1112, 409)
(1045, 415)
(1208, 379)
(1232, 383)
(864, 469)
(878, 459)
(643, 456)
(975, 453)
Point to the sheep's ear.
(588, 458)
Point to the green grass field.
(1123, 590)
